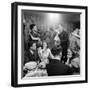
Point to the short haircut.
(32, 25)
(56, 50)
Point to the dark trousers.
(55, 68)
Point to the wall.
(5, 46)
(48, 22)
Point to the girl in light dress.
(44, 54)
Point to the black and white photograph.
(50, 44)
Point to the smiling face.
(44, 44)
(69, 53)
(33, 47)
(35, 28)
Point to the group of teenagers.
(62, 59)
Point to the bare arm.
(34, 38)
(51, 55)
(67, 61)
(76, 35)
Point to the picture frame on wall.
(48, 44)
